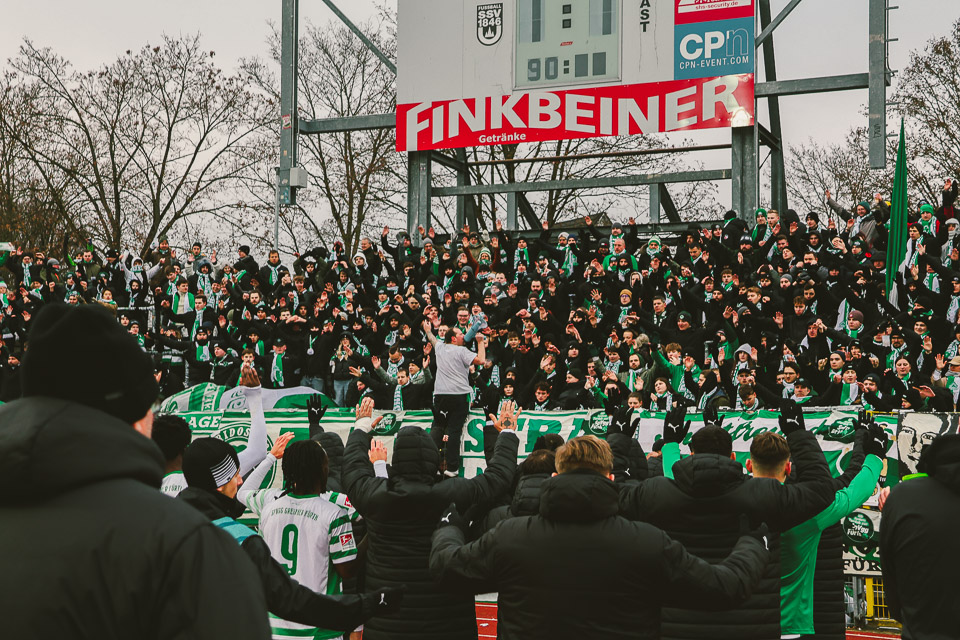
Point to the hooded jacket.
(97, 550)
(401, 513)
(701, 509)
(917, 532)
(579, 570)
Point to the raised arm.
(257, 441)
(428, 332)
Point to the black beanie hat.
(209, 463)
(107, 369)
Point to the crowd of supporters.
(737, 314)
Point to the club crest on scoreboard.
(490, 23)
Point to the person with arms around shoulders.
(132, 563)
(212, 470)
(621, 572)
(401, 506)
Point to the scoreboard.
(475, 72)
(573, 42)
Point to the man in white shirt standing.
(451, 391)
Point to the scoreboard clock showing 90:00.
(566, 42)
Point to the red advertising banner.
(689, 11)
(676, 105)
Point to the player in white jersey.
(308, 530)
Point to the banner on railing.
(833, 429)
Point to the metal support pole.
(877, 118)
(289, 124)
(655, 204)
(419, 167)
(463, 179)
(276, 215)
(744, 183)
(363, 38)
(778, 177)
(512, 211)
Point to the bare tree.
(358, 180)
(844, 168)
(146, 142)
(928, 98)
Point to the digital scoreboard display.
(567, 42)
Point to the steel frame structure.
(744, 145)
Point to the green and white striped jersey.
(307, 535)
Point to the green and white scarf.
(203, 352)
(182, 303)
(849, 393)
(276, 370)
(394, 367)
(274, 275)
(398, 398)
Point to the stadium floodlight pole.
(363, 38)
(276, 215)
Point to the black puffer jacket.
(579, 570)
(286, 598)
(89, 546)
(333, 445)
(401, 513)
(702, 508)
(526, 502)
(917, 533)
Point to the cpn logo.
(731, 43)
(711, 49)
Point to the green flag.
(897, 237)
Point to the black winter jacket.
(525, 502)
(90, 547)
(917, 533)
(579, 570)
(401, 513)
(286, 598)
(701, 509)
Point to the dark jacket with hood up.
(701, 509)
(525, 502)
(286, 598)
(579, 570)
(917, 534)
(89, 546)
(401, 513)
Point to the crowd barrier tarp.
(916, 431)
(208, 397)
(834, 430)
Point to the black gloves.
(315, 411)
(791, 417)
(382, 602)
(623, 421)
(760, 534)
(876, 441)
(711, 417)
(674, 428)
(452, 518)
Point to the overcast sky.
(821, 37)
